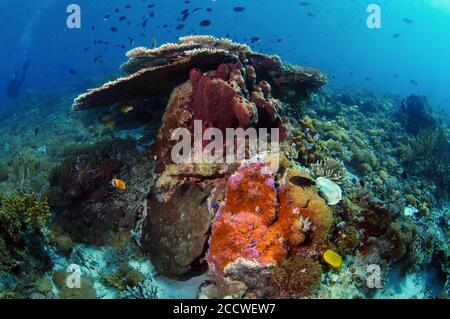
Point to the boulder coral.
(176, 230)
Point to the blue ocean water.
(331, 35)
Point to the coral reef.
(361, 181)
(125, 277)
(297, 276)
(259, 222)
(173, 62)
(415, 115)
(22, 242)
(428, 155)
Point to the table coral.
(155, 72)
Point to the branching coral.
(22, 217)
(124, 277)
(330, 168)
(23, 170)
(22, 210)
(143, 290)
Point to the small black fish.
(122, 18)
(396, 35)
(209, 9)
(117, 10)
(238, 9)
(185, 11)
(205, 23)
(302, 181)
(113, 29)
(310, 14)
(106, 17)
(362, 183)
(180, 26)
(408, 21)
(255, 39)
(36, 131)
(144, 23)
(98, 57)
(151, 14)
(151, 6)
(127, 6)
(72, 71)
(305, 4)
(184, 17)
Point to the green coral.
(124, 277)
(428, 155)
(22, 210)
(23, 171)
(22, 216)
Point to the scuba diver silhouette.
(15, 83)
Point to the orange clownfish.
(119, 184)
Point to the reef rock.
(175, 231)
(415, 115)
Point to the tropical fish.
(332, 258)
(302, 181)
(110, 124)
(408, 21)
(126, 109)
(205, 23)
(119, 184)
